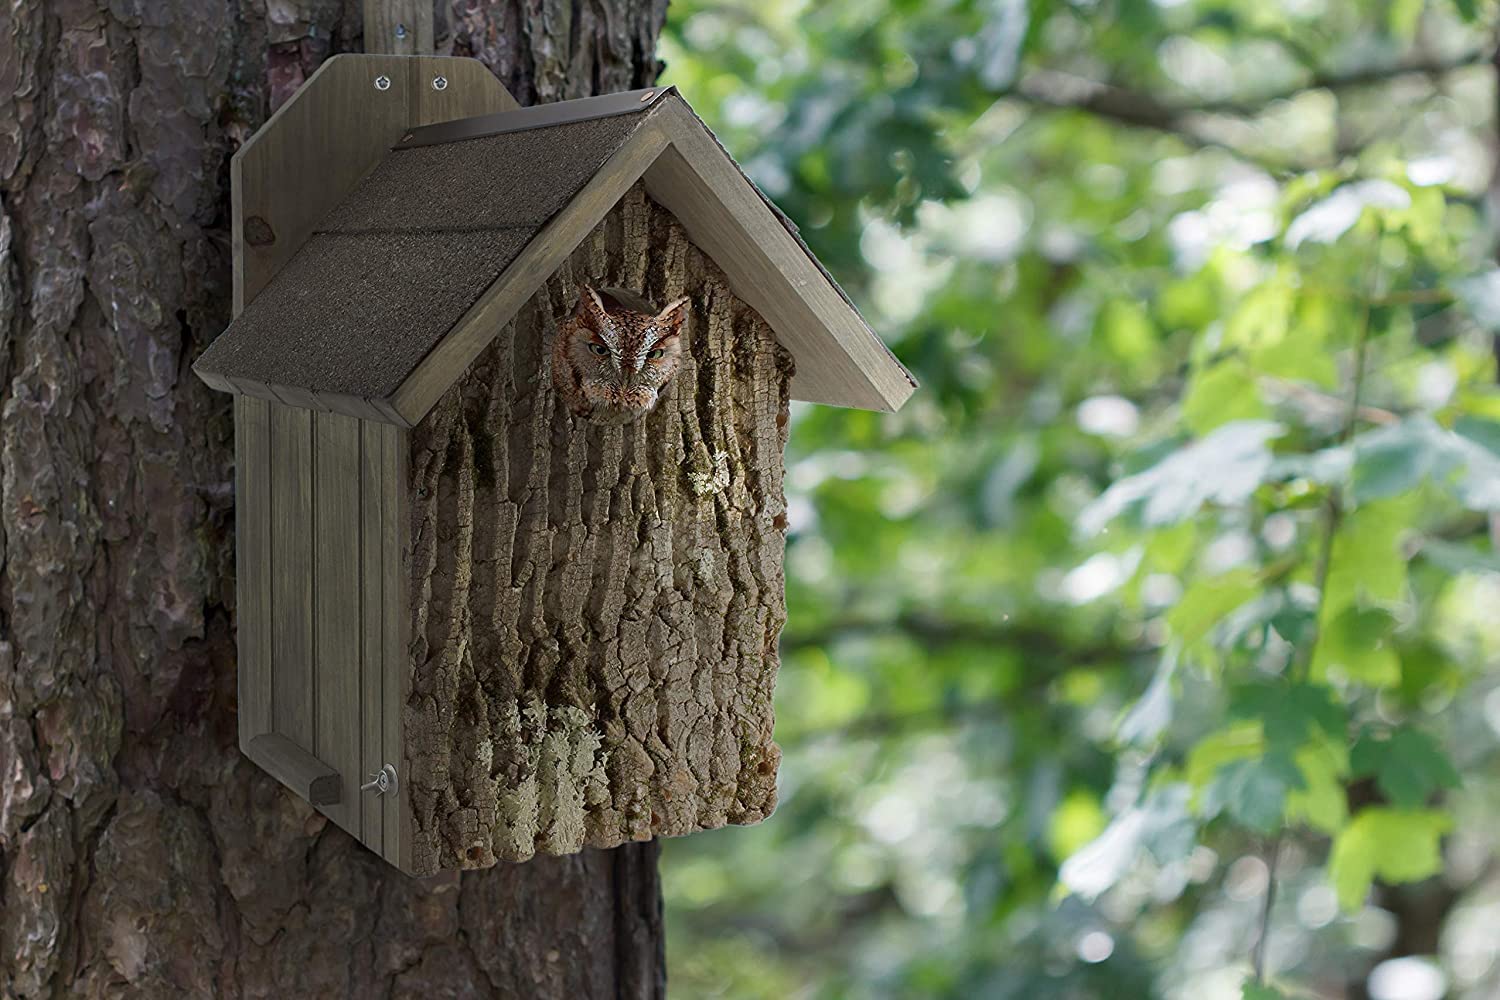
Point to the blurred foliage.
(1148, 651)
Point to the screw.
(647, 96)
(440, 83)
(382, 82)
(382, 781)
(400, 31)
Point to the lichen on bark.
(595, 608)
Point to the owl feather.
(615, 353)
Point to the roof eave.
(840, 360)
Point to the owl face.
(614, 361)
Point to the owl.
(613, 355)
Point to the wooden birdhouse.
(510, 405)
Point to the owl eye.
(656, 352)
(598, 349)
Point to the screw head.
(400, 31)
(647, 96)
(440, 83)
(382, 82)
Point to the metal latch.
(381, 781)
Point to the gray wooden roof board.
(401, 269)
(396, 264)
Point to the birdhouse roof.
(405, 280)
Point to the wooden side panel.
(372, 754)
(395, 544)
(318, 145)
(252, 525)
(336, 607)
(292, 648)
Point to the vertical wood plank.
(371, 663)
(252, 529)
(394, 536)
(336, 597)
(399, 27)
(292, 574)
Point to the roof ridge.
(534, 117)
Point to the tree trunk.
(142, 855)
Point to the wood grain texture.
(395, 545)
(252, 527)
(371, 576)
(292, 639)
(336, 606)
(594, 610)
(297, 769)
(313, 151)
(840, 360)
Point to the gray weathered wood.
(595, 608)
(252, 518)
(395, 627)
(398, 27)
(292, 648)
(372, 756)
(297, 769)
(317, 146)
(336, 604)
(840, 361)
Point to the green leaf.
(1290, 714)
(1403, 16)
(1254, 791)
(1207, 602)
(1225, 467)
(1398, 458)
(1367, 560)
(1396, 845)
(1323, 804)
(1460, 558)
(1220, 394)
(1357, 644)
(1153, 711)
(1237, 741)
(1407, 764)
(1258, 991)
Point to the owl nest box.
(511, 391)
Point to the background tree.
(142, 855)
(1149, 652)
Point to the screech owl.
(614, 355)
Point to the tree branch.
(1140, 109)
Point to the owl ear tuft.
(591, 307)
(669, 321)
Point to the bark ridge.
(596, 608)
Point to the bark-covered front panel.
(595, 608)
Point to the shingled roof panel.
(398, 262)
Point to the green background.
(1175, 581)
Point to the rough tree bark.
(596, 607)
(142, 856)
